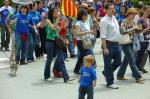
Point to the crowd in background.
(39, 28)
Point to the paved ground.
(29, 83)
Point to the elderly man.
(111, 50)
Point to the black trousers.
(42, 32)
(86, 90)
(5, 37)
(82, 52)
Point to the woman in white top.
(82, 29)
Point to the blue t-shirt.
(120, 18)
(4, 15)
(87, 76)
(42, 10)
(23, 23)
(36, 17)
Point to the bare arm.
(79, 78)
(104, 47)
(52, 26)
(79, 33)
(144, 30)
(94, 83)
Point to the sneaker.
(66, 59)
(140, 80)
(143, 70)
(121, 78)
(113, 86)
(69, 79)
(23, 63)
(49, 79)
(6, 49)
(38, 57)
(30, 61)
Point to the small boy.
(87, 78)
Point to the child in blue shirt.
(87, 78)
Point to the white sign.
(23, 1)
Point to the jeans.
(71, 46)
(86, 90)
(65, 52)
(128, 58)
(59, 63)
(5, 37)
(92, 52)
(111, 62)
(140, 53)
(20, 48)
(82, 52)
(31, 46)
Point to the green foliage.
(135, 2)
(1, 3)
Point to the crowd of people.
(41, 29)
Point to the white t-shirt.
(84, 26)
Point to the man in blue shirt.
(87, 78)
(5, 35)
(34, 38)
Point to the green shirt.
(51, 34)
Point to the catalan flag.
(68, 8)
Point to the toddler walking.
(87, 78)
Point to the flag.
(68, 8)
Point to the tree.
(135, 2)
(2, 2)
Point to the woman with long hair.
(52, 33)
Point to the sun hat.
(131, 11)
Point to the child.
(87, 78)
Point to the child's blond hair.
(89, 58)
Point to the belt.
(111, 42)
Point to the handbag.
(87, 42)
(124, 39)
(61, 42)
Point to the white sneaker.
(49, 79)
(113, 86)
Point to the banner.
(68, 8)
(24, 2)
